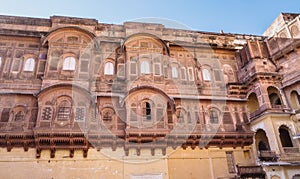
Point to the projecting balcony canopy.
(148, 36)
(57, 31)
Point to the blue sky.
(232, 16)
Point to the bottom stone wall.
(180, 163)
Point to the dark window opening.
(263, 146)
(285, 137)
(148, 111)
(274, 99)
(5, 115)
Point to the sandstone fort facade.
(83, 99)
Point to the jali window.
(64, 111)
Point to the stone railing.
(291, 150)
(266, 155)
(251, 171)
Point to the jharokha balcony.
(262, 109)
(252, 171)
(290, 154)
(266, 155)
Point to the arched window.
(213, 117)
(145, 67)
(69, 63)
(29, 64)
(64, 111)
(261, 140)
(174, 72)
(19, 116)
(252, 103)
(274, 97)
(108, 68)
(206, 75)
(285, 137)
(107, 114)
(146, 107)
